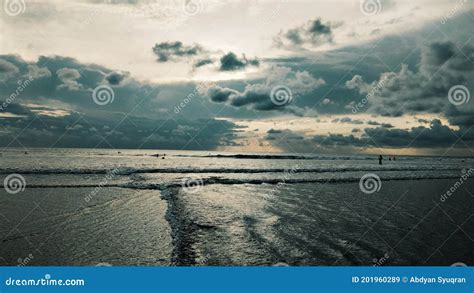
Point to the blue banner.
(237, 279)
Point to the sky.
(320, 76)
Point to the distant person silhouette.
(380, 159)
(389, 158)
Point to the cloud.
(350, 120)
(282, 134)
(115, 78)
(272, 131)
(69, 77)
(314, 33)
(218, 94)
(435, 136)
(327, 101)
(65, 81)
(257, 96)
(38, 72)
(203, 62)
(7, 70)
(386, 125)
(230, 62)
(56, 107)
(175, 51)
(82, 130)
(425, 90)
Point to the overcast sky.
(373, 76)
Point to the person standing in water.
(380, 159)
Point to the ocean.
(154, 207)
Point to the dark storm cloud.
(424, 90)
(115, 78)
(176, 51)
(7, 70)
(436, 135)
(424, 121)
(313, 33)
(173, 51)
(111, 131)
(337, 140)
(60, 80)
(55, 107)
(203, 62)
(439, 53)
(218, 94)
(349, 120)
(294, 36)
(462, 117)
(69, 84)
(285, 134)
(272, 131)
(334, 64)
(386, 125)
(16, 109)
(230, 62)
(257, 96)
(318, 28)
